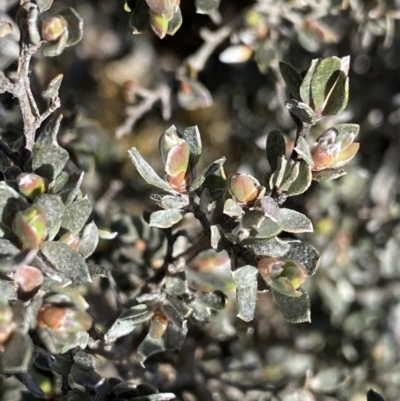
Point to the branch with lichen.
(21, 90)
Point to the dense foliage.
(120, 283)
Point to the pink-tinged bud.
(30, 226)
(328, 137)
(269, 268)
(175, 154)
(6, 323)
(158, 24)
(51, 316)
(178, 160)
(294, 273)
(28, 278)
(329, 151)
(71, 239)
(53, 28)
(324, 155)
(180, 182)
(32, 185)
(158, 324)
(244, 188)
(64, 319)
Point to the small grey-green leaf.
(53, 87)
(147, 172)
(173, 314)
(267, 229)
(270, 208)
(232, 209)
(176, 285)
(294, 309)
(175, 336)
(49, 160)
(17, 354)
(75, 26)
(305, 88)
(71, 189)
(303, 149)
(284, 286)
(76, 215)
(291, 174)
(292, 79)
(56, 185)
(67, 261)
(206, 6)
(54, 49)
(128, 321)
(165, 218)
(214, 300)
(245, 279)
(8, 248)
(54, 209)
(171, 201)
(323, 80)
(172, 339)
(49, 130)
(273, 247)
(175, 23)
(277, 177)
(150, 346)
(210, 169)
(303, 180)
(346, 132)
(305, 254)
(192, 136)
(338, 97)
(11, 263)
(206, 201)
(89, 240)
(294, 222)
(216, 240)
(328, 174)
(11, 202)
(304, 112)
(276, 148)
(58, 343)
(253, 218)
(84, 376)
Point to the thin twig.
(21, 90)
(104, 201)
(133, 112)
(212, 39)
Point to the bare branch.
(21, 90)
(133, 112)
(212, 39)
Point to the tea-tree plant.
(243, 215)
